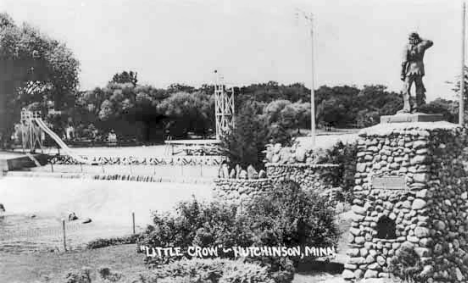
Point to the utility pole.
(312, 91)
(462, 77)
(310, 19)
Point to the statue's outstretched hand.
(403, 77)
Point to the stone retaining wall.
(428, 212)
(239, 190)
(318, 177)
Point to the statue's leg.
(420, 92)
(406, 95)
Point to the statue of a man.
(412, 71)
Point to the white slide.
(62, 145)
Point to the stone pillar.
(410, 189)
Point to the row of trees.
(41, 73)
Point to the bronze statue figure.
(412, 71)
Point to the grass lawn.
(31, 267)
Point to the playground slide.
(62, 145)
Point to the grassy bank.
(30, 267)
(42, 266)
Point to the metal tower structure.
(224, 107)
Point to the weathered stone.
(421, 232)
(251, 172)
(359, 240)
(421, 194)
(354, 231)
(348, 274)
(359, 210)
(243, 174)
(361, 167)
(357, 260)
(421, 177)
(381, 260)
(413, 239)
(439, 225)
(353, 252)
(371, 274)
(459, 274)
(358, 273)
(419, 159)
(350, 266)
(418, 204)
(464, 196)
(262, 174)
(370, 259)
(423, 252)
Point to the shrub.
(288, 216)
(80, 276)
(407, 265)
(213, 270)
(101, 243)
(291, 216)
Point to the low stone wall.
(318, 177)
(239, 190)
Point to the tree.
(188, 112)
(247, 141)
(36, 68)
(125, 77)
(130, 110)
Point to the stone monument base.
(411, 117)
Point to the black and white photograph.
(233, 141)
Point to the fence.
(56, 235)
(159, 171)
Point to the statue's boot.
(420, 95)
(406, 104)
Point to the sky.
(355, 42)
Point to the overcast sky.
(183, 41)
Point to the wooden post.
(64, 236)
(133, 220)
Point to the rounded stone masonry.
(316, 177)
(411, 189)
(240, 190)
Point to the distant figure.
(2, 208)
(70, 132)
(72, 217)
(112, 138)
(412, 71)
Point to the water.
(109, 204)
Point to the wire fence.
(54, 235)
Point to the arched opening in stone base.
(386, 228)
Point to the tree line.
(41, 73)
